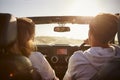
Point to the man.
(83, 65)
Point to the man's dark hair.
(104, 27)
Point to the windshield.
(45, 34)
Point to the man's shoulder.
(78, 55)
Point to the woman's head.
(26, 32)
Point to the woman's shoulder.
(36, 54)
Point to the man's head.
(104, 27)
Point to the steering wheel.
(82, 45)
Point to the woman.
(26, 32)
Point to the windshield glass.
(45, 34)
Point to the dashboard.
(58, 56)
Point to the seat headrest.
(8, 29)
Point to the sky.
(29, 8)
(58, 7)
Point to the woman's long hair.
(26, 32)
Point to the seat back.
(8, 29)
(12, 66)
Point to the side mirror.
(61, 29)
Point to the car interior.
(61, 26)
(57, 54)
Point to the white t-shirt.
(83, 65)
(42, 66)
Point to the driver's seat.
(12, 66)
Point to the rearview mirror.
(61, 29)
